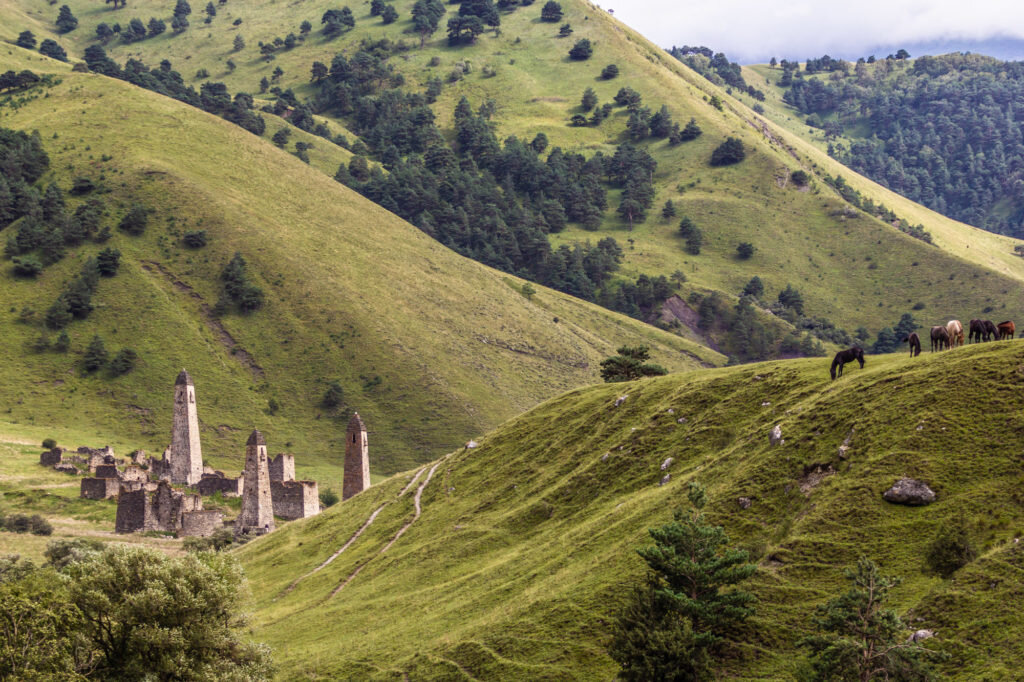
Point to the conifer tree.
(677, 619)
(66, 21)
(860, 639)
(630, 363)
(95, 355)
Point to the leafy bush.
(195, 239)
(27, 266)
(123, 362)
(728, 153)
(583, 49)
(951, 548)
(328, 498)
(49, 443)
(609, 72)
(333, 395)
(134, 222)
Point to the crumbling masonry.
(257, 507)
(357, 459)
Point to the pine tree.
(668, 211)
(95, 355)
(676, 620)
(630, 363)
(860, 639)
(66, 21)
(589, 100)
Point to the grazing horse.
(915, 343)
(956, 333)
(845, 356)
(977, 331)
(991, 331)
(1006, 330)
(940, 338)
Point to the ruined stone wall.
(132, 511)
(295, 499)
(99, 488)
(134, 473)
(168, 505)
(229, 487)
(282, 468)
(200, 523)
(107, 471)
(51, 457)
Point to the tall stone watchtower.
(186, 455)
(257, 506)
(357, 459)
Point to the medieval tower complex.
(185, 455)
(357, 459)
(257, 506)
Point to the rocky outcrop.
(775, 435)
(909, 491)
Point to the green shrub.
(49, 443)
(951, 548)
(328, 498)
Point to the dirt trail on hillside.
(401, 531)
(355, 536)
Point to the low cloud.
(797, 29)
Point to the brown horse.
(1006, 330)
(956, 333)
(940, 338)
(915, 343)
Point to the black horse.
(991, 332)
(977, 331)
(845, 356)
(915, 343)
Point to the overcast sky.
(749, 30)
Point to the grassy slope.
(353, 293)
(800, 237)
(524, 546)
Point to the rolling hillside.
(844, 263)
(429, 347)
(508, 561)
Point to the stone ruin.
(357, 458)
(257, 515)
(148, 501)
(291, 499)
(164, 509)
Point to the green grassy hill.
(523, 548)
(430, 347)
(851, 269)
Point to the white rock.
(667, 463)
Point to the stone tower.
(186, 455)
(357, 459)
(257, 507)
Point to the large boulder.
(909, 491)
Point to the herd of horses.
(949, 336)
